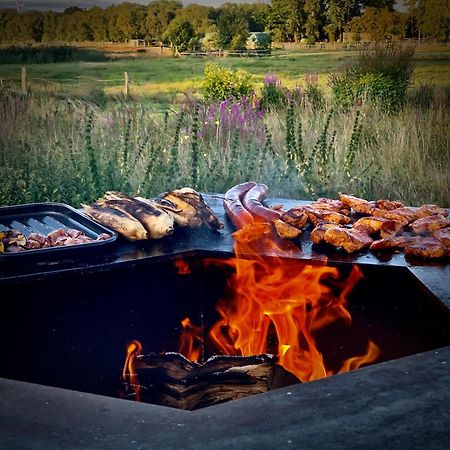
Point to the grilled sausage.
(252, 202)
(234, 207)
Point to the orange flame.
(191, 342)
(281, 301)
(134, 348)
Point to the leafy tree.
(433, 18)
(380, 24)
(159, 14)
(312, 11)
(232, 27)
(198, 16)
(180, 33)
(286, 19)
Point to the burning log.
(172, 380)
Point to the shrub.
(380, 75)
(273, 95)
(222, 83)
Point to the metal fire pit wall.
(403, 402)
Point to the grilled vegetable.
(123, 223)
(155, 220)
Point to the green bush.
(380, 75)
(221, 83)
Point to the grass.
(68, 150)
(151, 76)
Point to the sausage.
(233, 204)
(252, 202)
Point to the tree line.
(229, 26)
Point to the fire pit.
(68, 323)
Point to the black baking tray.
(44, 218)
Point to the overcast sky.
(59, 5)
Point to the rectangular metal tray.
(44, 218)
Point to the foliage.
(259, 40)
(273, 95)
(180, 33)
(380, 75)
(69, 151)
(433, 18)
(221, 83)
(232, 27)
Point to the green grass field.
(161, 79)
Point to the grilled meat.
(426, 247)
(358, 205)
(155, 220)
(296, 217)
(391, 243)
(330, 204)
(119, 221)
(443, 235)
(429, 223)
(405, 215)
(189, 209)
(373, 225)
(286, 231)
(318, 234)
(430, 210)
(351, 240)
(388, 205)
(318, 215)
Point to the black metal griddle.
(44, 218)
(433, 275)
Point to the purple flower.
(271, 80)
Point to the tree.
(286, 19)
(159, 14)
(312, 11)
(180, 34)
(433, 19)
(380, 24)
(198, 16)
(232, 27)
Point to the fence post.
(126, 84)
(23, 80)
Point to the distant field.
(163, 78)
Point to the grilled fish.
(155, 220)
(119, 221)
(189, 209)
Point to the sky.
(59, 5)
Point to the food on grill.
(233, 206)
(351, 240)
(426, 247)
(443, 235)
(405, 215)
(157, 222)
(188, 209)
(119, 221)
(429, 224)
(391, 243)
(358, 205)
(13, 241)
(317, 215)
(286, 231)
(331, 204)
(296, 217)
(318, 234)
(430, 210)
(373, 225)
(388, 204)
(252, 202)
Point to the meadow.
(74, 146)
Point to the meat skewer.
(234, 207)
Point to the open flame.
(134, 348)
(278, 304)
(272, 304)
